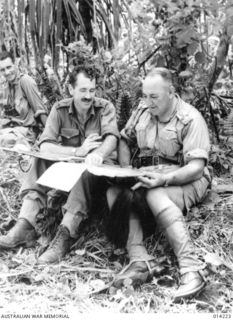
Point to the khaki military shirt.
(63, 126)
(183, 138)
(24, 98)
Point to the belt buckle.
(146, 161)
(155, 160)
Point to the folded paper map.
(64, 175)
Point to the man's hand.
(90, 143)
(150, 180)
(94, 159)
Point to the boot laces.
(61, 235)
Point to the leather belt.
(146, 161)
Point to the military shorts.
(188, 195)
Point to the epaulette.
(64, 103)
(185, 113)
(100, 102)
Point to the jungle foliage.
(124, 39)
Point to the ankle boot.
(22, 234)
(191, 281)
(58, 248)
(190, 284)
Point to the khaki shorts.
(188, 195)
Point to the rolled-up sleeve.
(32, 94)
(196, 143)
(51, 131)
(108, 121)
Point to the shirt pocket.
(70, 137)
(168, 142)
(21, 106)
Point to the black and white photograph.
(116, 159)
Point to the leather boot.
(138, 272)
(190, 284)
(58, 248)
(22, 234)
(191, 281)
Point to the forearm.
(187, 174)
(43, 119)
(107, 147)
(57, 149)
(124, 154)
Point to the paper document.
(114, 171)
(62, 175)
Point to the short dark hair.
(163, 72)
(89, 71)
(5, 54)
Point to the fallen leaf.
(97, 284)
(80, 252)
(213, 259)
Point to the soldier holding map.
(82, 126)
(170, 133)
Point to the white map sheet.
(64, 175)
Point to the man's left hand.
(150, 180)
(94, 159)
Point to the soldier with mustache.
(82, 126)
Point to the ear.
(171, 90)
(70, 89)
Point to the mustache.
(86, 100)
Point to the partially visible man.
(83, 126)
(24, 111)
(174, 135)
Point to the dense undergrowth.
(81, 282)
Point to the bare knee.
(158, 200)
(153, 195)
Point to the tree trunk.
(86, 14)
(219, 60)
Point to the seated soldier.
(24, 112)
(83, 126)
(173, 134)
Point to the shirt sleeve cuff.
(124, 135)
(47, 140)
(111, 132)
(39, 112)
(196, 154)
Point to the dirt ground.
(81, 283)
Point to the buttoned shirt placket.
(82, 129)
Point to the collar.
(173, 113)
(72, 109)
(16, 81)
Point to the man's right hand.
(90, 143)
